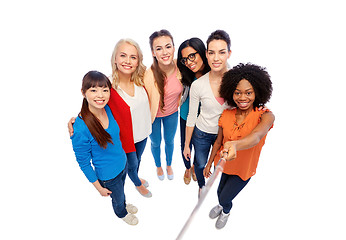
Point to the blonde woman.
(127, 79)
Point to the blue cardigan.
(96, 162)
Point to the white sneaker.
(131, 208)
(215, 211)
(222, 220)
(130, 219)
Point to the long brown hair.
(95, 79)
(159, 75)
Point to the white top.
(210, 110)
(140, 112)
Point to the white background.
(46, 48)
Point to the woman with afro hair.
(242, 133)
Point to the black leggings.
(229, 187)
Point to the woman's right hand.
(70, 126)
(230, 150)
(187, 153)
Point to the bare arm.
(252, 139)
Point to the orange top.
(245, 164)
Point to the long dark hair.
(159, 75)
(188, 75)
(95, 79)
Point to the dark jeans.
(182, 142)
(202, 142)
(116, 186)
(229, 187)
(134, 160)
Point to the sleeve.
(221, 118)
(260, 118)
(82, 149)
(261, 112)
(193, 105)
(122, 115)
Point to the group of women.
(219, 109)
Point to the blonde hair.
(138, 74)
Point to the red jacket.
(121, 113)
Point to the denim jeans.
(134, 160)
(229, 187)
(170, 124)
(202, 143)
(116, 186)
(182, 142)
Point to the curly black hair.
(256, 75)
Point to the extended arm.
(252, 139)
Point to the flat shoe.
(194, 177)
(170, 177)
(187, 180)
(161, 177)
(145, 183)
(147, 195)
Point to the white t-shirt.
(210, 110)
(140, 112)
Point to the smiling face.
(195, 65)
(163, 50)
(126, 59)
(97, 98)
(244, 95)
(217, 55)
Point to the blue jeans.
(229, 187)
(134, 160)
(116, 186)
(202, 143)
(170, 124)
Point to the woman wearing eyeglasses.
(162, 82)
(202, 128)
(193, 64)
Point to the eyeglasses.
(191, 57)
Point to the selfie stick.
(204, 192)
